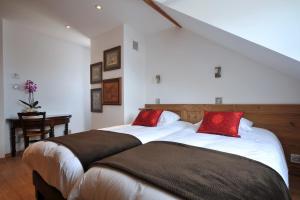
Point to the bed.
(106, 183)
(58, 169)
(260, 145)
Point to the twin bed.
(60, 169)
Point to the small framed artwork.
(96, 100)
(112, 91)
(96, 72)
(112, 58)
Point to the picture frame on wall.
(96, 100)
(112, 91)
(96, 73)
(112, 58)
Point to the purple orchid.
(30, 87)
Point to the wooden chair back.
(32, 121)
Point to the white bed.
(105, 183)
(60, 168)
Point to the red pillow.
(148, 118)
(221, 123)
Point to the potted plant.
(30, 87)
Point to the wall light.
(218, 72)
(158, 79)
(68, 27)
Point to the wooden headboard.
(282, 120)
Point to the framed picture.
(96, 72)
(112, 91)
(112, 58)
(96, 100)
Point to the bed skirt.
(44, 191)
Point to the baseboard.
(18, 153)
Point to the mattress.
(105, 183)
(60, 168)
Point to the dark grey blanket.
(197, 173)
(93, 145)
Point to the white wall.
(186, 64)
(60, 69)
(134, 73)
(112, 115)
(2, 151)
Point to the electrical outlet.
(219, 100)
(157, 100)
(295, 158)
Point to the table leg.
(51, 133)
(13, 140)
(66, 128)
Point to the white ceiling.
(51, 16)
(82, 15)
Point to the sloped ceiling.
(270, 23)
(213, 19)
(249, 28)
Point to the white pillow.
(245, 125)
(198, 124)
(167, 117)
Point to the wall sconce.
(157, 79)
(218, 72)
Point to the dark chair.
(33, 125)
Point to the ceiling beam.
(162, 12)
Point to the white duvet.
(107, 184)
(60, 168)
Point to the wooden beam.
(162, 12)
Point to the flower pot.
(30, 110)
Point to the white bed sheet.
(60, 168)
(105, 183)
